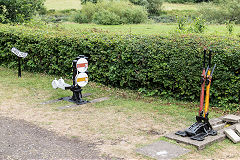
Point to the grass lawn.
(119, 125)
(63, 4)
(151, 29)
(176, 6)
(76, 4)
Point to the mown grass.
(132, 100)
(75, 4)
(63, 4)
(150, 29)
(34, 88)
(125, 100)
(176, 6)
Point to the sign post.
(20, 55)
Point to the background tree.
(19, 10)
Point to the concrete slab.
(162, 150)
(238, 129)
(218, 126)
(63, 98)
(216, 121)
(201, 144)
(231, 118)
(232, 135)
(92, 101)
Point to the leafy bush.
(86, 1)
(199, 25)
(230, 26)
(225, 10)
(188, 25)
(20, 10)
(106, 17)
(154, 7)
(111, 12)
(189, 1)
(168, 66)
(80, 18)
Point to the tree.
(19, 10)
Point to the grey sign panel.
(19, 53)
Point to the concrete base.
(162, 150)
(64, 98)
(238, 129)
(76, 105)
(231, 118)
(230, 133)
(209, 139)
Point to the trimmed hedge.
(166, 66)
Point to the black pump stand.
(75, 88)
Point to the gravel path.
(22, 140)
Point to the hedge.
(167, 66)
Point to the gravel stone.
(22, 140)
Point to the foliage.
(106, 17)
(189, 1)
(184, 24)
(181, 23)
(230, 26)
(111, 12)
(19, 10)
(199, 25)
(58, 16)
(225, 10)
(86, 1)
(168, 66)
(154, 7)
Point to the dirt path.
(22, 140)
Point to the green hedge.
(166, 66)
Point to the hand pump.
(202, 128)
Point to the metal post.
(19, 67)
(74, 71)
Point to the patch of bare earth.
(117, 132)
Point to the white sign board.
(82, 79)
(19, 53)
(82, 65)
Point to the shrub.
(190, 1)
(111, 12)
(80, 18)
(154, 7)
(168, 66)
(230, 26)
(225, 10)
(106, 17)
(188, 25)
(20, 10)
(199, 25)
